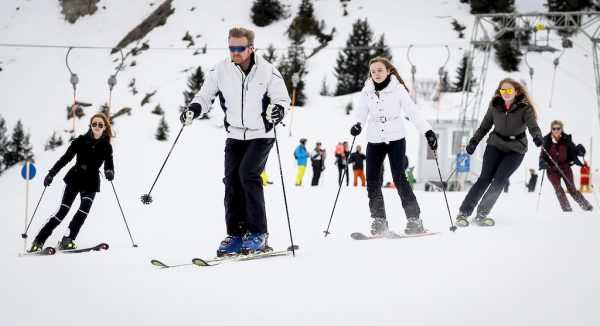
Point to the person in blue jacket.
(463, 167)
(301, 155)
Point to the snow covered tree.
(324, 88)
(270, 56)
(381, 49)
(162, 133)
(194, 83)
(53, 142)
(264, 12)
(3, 143)
(461, 72)
(288, 66)
(507, 52)
(351, 69)
(158, 110)
(304, 23)
(569, 5)
(18, 148)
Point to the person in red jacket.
(563, 151)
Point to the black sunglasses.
(97, 124)
(238, 48)
(556, 128)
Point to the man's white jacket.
(244, 98)
(386, 121)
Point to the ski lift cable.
(556, 61)
(531, 72)
(73, 80)
(572, 75)
(112, 81)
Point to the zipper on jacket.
(242, 99)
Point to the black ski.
(99, 247)
(48, 251)
(390, 235)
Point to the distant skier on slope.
(254, 97)
(564, 152)
(383, 99)
(92, 150)
(510, 112)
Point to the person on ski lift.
(92, 149)
(564, 152)
(383, 99)
(510, 112)
(254, 97)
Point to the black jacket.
(566, 149)
(91, 153)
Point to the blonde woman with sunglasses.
(510, 112)
(92, 149)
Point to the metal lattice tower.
(488, 28)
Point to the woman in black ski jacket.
(92, 150)
(510, 112)
(564, 153)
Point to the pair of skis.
(219, 260)
(49, 251)
(390, 235)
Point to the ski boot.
(483, 220)
(36, 246)
(414, 225)
(254, 243)
(66, 244)
(379, 226)
(231, 246)
(462, 219)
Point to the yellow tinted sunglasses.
(508, 91)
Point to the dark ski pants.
(554, 176)
(69, 194)
(317, 169)
(375, 155)
(342, 168)
(497, 167)
(244, 197)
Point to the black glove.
(195, 108)
(356, 129)
(471, 146)
(544, 165)
(431, 139)
(109, 174)
(49, 177)
(538, 140)
(274, 113)
(580, 150)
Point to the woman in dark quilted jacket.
(92, 149)
(564, 153)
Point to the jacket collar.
(370, 86)
(498, 103)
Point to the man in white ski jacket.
(254, 98)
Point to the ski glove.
(274, 113)
(538, 140)
(580, 150)
(356, 129)
(544, 165)
(194, 108)
(431, 139)
(471, 146)
(49, 177)
(110, 174)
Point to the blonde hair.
(522, 92)
(108, 131)
(239, 32)
(557, 122)
(389, 66)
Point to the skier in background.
(92, 149)
(301, 155)
(463, 167)
(357, 159)
(510, 112)
(564, 152)
(383, 98)
(341, 155)
(317, 158)
(531, 184)
(254, 97)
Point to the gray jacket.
(509, 125)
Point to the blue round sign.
(32, 171)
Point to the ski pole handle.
(189, 117)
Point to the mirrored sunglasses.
(508, 91)
(97, 124)
(238, 48)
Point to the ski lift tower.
(488, 28)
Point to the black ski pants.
(343, 168)
(244, 197)
(317, 169)
(376, 153)
(69, 194)
(496, 168)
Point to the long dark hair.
(522, 95)
(389, 66)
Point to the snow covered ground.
(531, 269)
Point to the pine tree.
(270, 56)
(53, 142)
(158, 110)
(569, 5)
(482, 6)
(264, 12)
(162, 133)
(351, 69)
(381, 49)
(507, 52)
(290, 64)
(194, 84)
(349, 108)
(324, 88)
(18, 148)
(304, 23)
(461, 72)
(3, 143)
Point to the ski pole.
(452, 227)
(540, 193)
(24, 235)
(283, 189)
(146, 198)
(455, 169)
(594, 192)
(338, 192)
(121, 208)
(558, 168)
